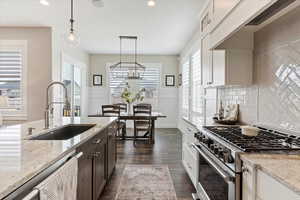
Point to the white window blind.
(185, 89)
(11, 63)
(197, 89)
(150, 81)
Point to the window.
(197, 89)
(185, 89)
(12, 78)
(150, 81)
(192, 90)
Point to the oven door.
(215, 181)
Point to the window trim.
(20, 45)
(189, 59)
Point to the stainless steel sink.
(63, 133)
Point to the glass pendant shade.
(151, 3)
(72, 39)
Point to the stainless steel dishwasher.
(27, 191)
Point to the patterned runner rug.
(146, 182)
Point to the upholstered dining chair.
(143, 124)
(114, 110)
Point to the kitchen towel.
(62, 184)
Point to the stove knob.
(210, 142)
(228, 157)
(221, 152)
(216, 149)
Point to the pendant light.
(45, 2)
(71, 37)
(128, 69)
(151, 3)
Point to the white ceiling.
(164, 29)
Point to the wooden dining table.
(129, 116)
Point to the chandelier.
(128, 69)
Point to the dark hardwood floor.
(167, 150)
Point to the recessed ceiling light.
(45, 2)
(98, 3)
(151, 3)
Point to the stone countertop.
(284, 168)
(22, 159)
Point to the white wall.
(168, 96)
(38, 64)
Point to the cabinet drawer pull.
(245, 170)
(98, 141)
(97, 154)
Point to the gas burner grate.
(266, 139)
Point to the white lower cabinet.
(258, 185)
(189, 154)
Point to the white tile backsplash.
(274, 101)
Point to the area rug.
(146, 182)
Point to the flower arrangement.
(129, 97)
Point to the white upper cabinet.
(230, 64)
(232, 67)
(207, 70)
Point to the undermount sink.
(63, 133)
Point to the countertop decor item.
(227, 115)
(224, 122)
(250, 130)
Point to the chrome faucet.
(49, 104)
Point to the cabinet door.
(112, 149)
(85, 174)
(99, 176)
(248, 189)
(219, 67)
(207, 61)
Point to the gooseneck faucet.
(49, 104)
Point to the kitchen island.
(22, 159)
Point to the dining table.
(130, 116)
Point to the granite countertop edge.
(245, 157)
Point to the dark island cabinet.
(111, 148)
(100, 177)
(85, 174)
(96, 164)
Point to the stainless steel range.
(220, 167)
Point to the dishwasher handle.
(33, 195)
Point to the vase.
(129, 108)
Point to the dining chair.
(123, 106)
(114, 110)
(142, 124)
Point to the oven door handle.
(220, 171)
